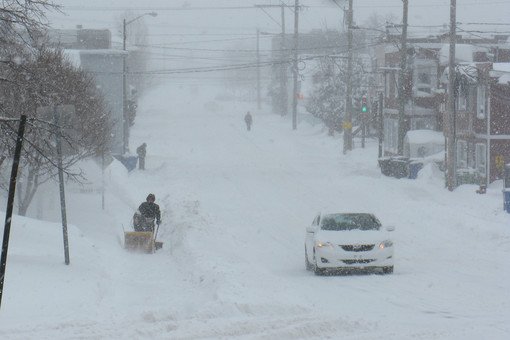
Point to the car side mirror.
(310, 229)
(390, 228)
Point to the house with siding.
(422, 91)
(482, 118)
(482, 121)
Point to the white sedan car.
(348, 241)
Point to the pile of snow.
(423, 143)
(503, 72)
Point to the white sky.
(320, 14)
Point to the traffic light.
(364, 107)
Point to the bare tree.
(23, 20)
(46, 78)
(327, 101)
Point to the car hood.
(351, 236)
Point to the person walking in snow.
(147, 212)
(141, 152)
(248, 120)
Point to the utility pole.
(380, 124)
(347, 124)
(283, 68)
(10, 202)
(450, 145)
(402, 128)
(125, 120)
(102, 180)
(258, 69)
(125, 115)
(295, 65)
(283, 103)
(58, 142)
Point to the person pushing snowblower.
(147, 212)
(144, 236)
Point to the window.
(462, 154)
(424, 78)
(340, 222)
(424, 82)
(391, 134)
(462, 102)
(481, 158)
(390, 85)
(465, 98)
(481, 102)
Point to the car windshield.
(341, 222)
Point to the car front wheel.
(316, 269)
(308, 265)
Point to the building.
(425, 85)
(482, 121)
(91, 50)
(422, 95)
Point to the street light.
(125, 118)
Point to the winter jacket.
(150, 210)
(248, 119)
(141, 151)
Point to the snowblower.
(143, 239)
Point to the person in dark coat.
(141, 152)
(147, 212)
(248, 120)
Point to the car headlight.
(385, 244)
(320, 244)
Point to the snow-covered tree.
(23, 20)
(327, 100)
(44, 78)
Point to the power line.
(484, 23)
(244, 50)
(214, 8)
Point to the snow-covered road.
(235, 207)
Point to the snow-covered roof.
(415, 110)
(504, 79)
(504, 67)
(429, 45)
(425, 137)
(502, 72)
(390, 49)
(467, 70)
(74, 57)
(463, 53)
(104, 52)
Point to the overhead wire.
(236, 66)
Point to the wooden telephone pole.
(402, 79)
(284, 105)
(295, 65)
(451, 177)
(10, 202)
(347, 123)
